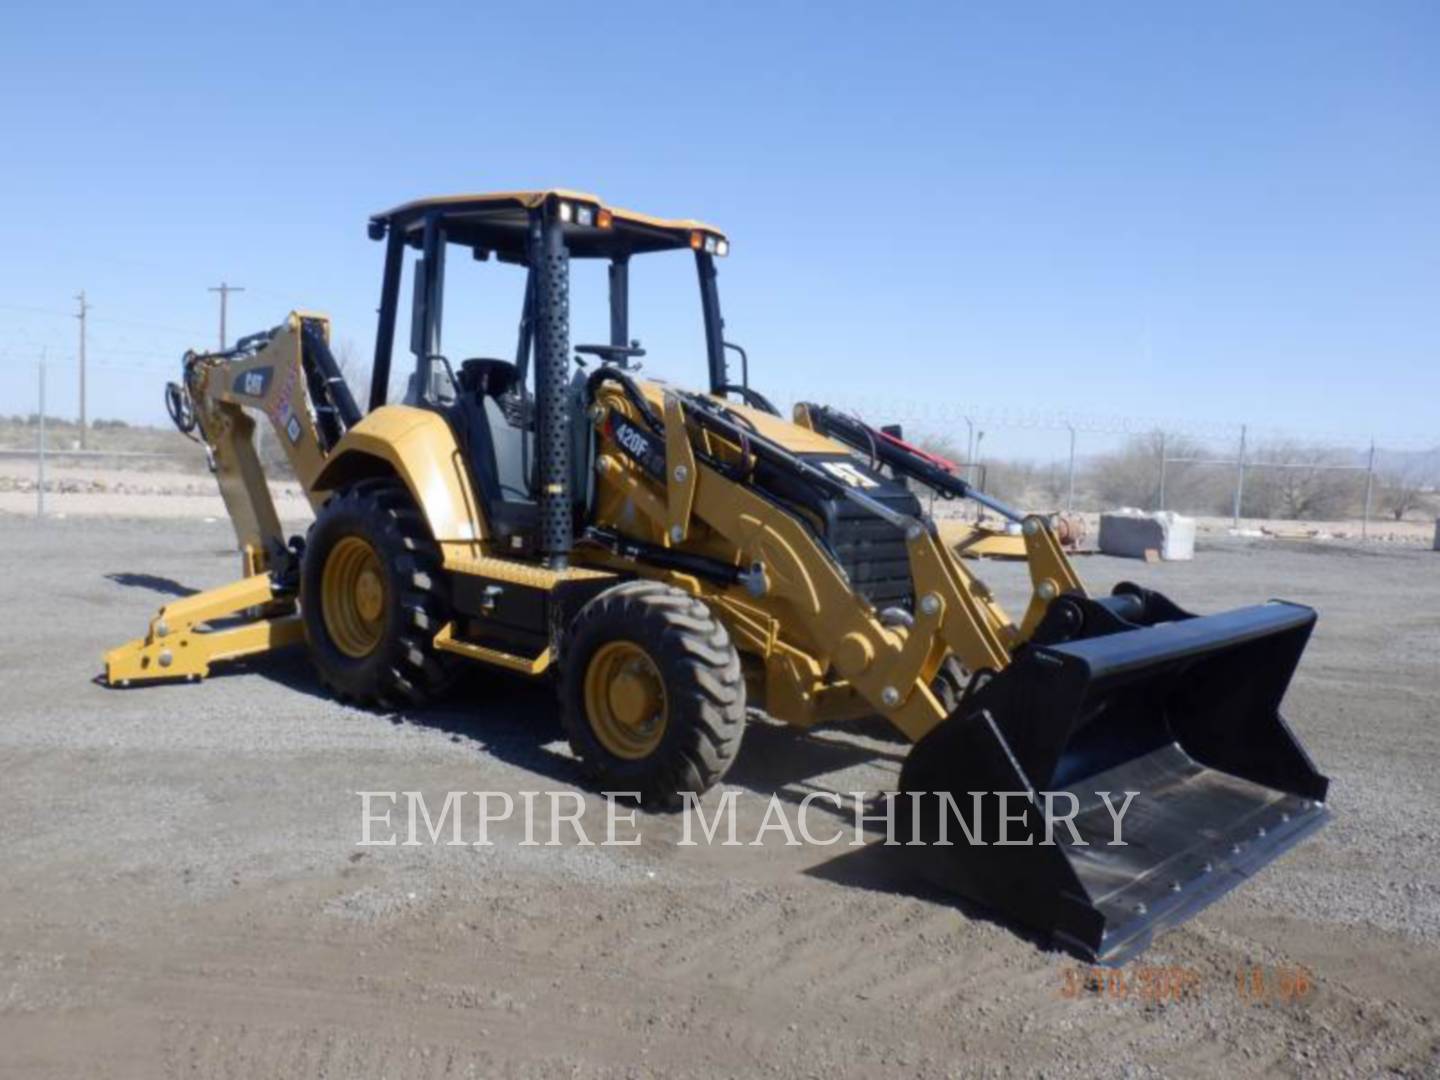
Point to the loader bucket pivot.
(1181, 710)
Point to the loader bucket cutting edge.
(1183, 713)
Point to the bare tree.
(1131, 475)
(941, 446)
(355, 371)
(1402, 490)
(1016, 482)
(1301, 483)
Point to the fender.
(417, 446)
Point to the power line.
(112, 319)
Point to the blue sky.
(1227, 212)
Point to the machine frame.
(746, 558)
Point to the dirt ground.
(183, 894)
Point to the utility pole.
(224, 290)
(1070, 491)
(1162, 470)
(84, 307)
(40, 480)
(1369, 488)
(979, 438)
(1239, 478)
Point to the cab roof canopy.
(498, 223)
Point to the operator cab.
(488, 400)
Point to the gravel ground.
(183, 893)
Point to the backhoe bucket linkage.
(1165, 736)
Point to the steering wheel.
(613, 354)
(751, 397)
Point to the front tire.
(652, 695)
(372, 598)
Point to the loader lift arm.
(889, 665)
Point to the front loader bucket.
(1182, 712)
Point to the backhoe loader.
(673, 558)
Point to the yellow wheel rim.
(353, 597)
(625, 700)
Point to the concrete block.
(1131, 533)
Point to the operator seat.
(485, 375)
(496, 451)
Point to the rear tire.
(652, 695)
(372, 597)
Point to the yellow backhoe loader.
(673, 557)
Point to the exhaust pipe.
(1127, 720)
(550, 269)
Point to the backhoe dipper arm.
(280, 374)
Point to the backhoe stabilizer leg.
(186, 637)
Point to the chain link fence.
(1242, 474)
